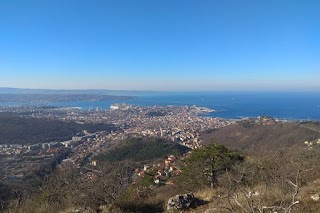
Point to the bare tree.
(109, 183)
(271, 185)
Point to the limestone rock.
(315, 197)
(183, 201)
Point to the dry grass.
(262, 137)
(207, 194)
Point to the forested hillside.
(20, 130)
(141, 149)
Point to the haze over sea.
(232, 105)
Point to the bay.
(231, 105)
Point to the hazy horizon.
(160, 45)
(22, 90)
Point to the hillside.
(135, 176)
(244, 136)
(141, 149)
(19, 130)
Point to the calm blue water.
(302, 105)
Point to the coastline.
(232, 106)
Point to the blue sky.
(160, 44)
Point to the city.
(178, 124)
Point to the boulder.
(183, 201)
(315, 197)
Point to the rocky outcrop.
(315, 197)
(183, 201)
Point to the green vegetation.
(205, 165)
(141, 149)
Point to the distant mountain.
(8, 90)
(17, 95)
(61, 97)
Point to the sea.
(230, 105)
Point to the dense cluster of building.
(181, 124)
(161, 173)
(176, 123)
